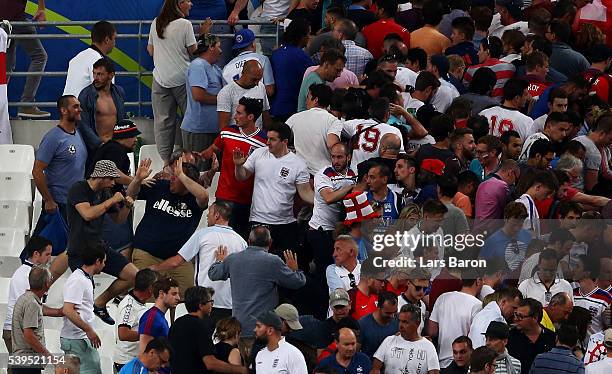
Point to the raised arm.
(142, 173)
(240, 171)
(195, 188)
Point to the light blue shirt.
(202, 118)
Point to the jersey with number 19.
(502, 119)
(371, 132)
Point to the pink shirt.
(347, 78)
(491, 198)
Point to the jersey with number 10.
(502, 119)
(370, 136)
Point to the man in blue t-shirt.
(172, 214)
(60, 162)
(153, 322)
(346, 359)
(156, 355)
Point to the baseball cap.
(339, 298)
(497, 330)
(608, 338)
(243, 38)
(125, 128)
(433, 165)
(105, 169)
(271, 319)
(289, 314)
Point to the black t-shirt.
(168, 222)
(81, 231)
(361, 17)
(116, 153)
(429, 151)
(191, 340)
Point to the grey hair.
(347, 239)
(260, 236)
(569, 162)
(39, 278)
(415, 312)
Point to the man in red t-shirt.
(601, 82)
(246, 137)
(536, 65)
(365, 296)
(375, 33)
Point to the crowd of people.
(425, 119)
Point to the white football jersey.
(369, 140)
(502, 119)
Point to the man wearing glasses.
(155, 356)
(544, 284)
(483, 361)
(529, 338)
(414, 294)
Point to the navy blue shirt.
(372, 334)
(358, 365)
(465, 50)
(202, 9)
(559, 360)
(289, 64)
(169, 220)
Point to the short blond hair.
(455, 62)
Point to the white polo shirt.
(285, 359)
(202, 245)
(310, 129)
(481, 322)
(533, 287)
(18, 285)
(275, 185)
(128, 314)
(78, 290)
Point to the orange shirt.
(463, 202)
(430, 39)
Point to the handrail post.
(139, 68)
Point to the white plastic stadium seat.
(150, 151)
(15, 215)
(4, 290)
(12, 242)
(132, 164)
(15, 186)
(139, 210)
(52, 340)
(16, 158)
(36, 209)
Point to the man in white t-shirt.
(556, 128)
(331, 185)
(425, 88)
(453, 312)
(557, 102)
(78, 336)
(248, 85)
(38, 251)
(279, 174)
(315, 130)
(277, 356)
(544, 284)
(598, 358)
(409, 352)
(130, 309)
(369, 132)
(202, 246)
(245, 46)
(544, 184)
(80, 67)
(507, 116)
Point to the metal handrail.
(140, 35)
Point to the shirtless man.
(102, 103)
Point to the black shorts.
(115, 261)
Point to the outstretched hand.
(291, 260)
(144, 169)
(239, 157)
(221, 253)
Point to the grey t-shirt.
(454, 221)
(27, 314)
(592, 161)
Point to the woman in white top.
(171, 42)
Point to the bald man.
(347, 359)
(388, 153)
(249, 85)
